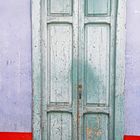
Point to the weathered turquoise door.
(74, 75)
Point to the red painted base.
(28, 136)
(15, 136)
(131, 137)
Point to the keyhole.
(80, 90)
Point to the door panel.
(97, 7)
(60, 46)
(97, 63)
(60, 126)
(60, 7)
(96, 127)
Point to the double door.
(78, 65)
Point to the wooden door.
(74, 70)
(96, 69)
(60, 55)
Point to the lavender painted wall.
(132, 88)
(15, 67)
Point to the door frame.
(37, 69)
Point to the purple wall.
(15, 67)
(132, 88)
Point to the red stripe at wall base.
(28, 136)
(15, 136)
(131, 137)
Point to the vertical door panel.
(97, 63)
(60, 46)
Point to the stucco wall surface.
(15, 67)
(132, 81)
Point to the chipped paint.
(89, 133)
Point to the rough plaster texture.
(15, 67)
(132, 88)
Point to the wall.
(15, 67)
(132, 82)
